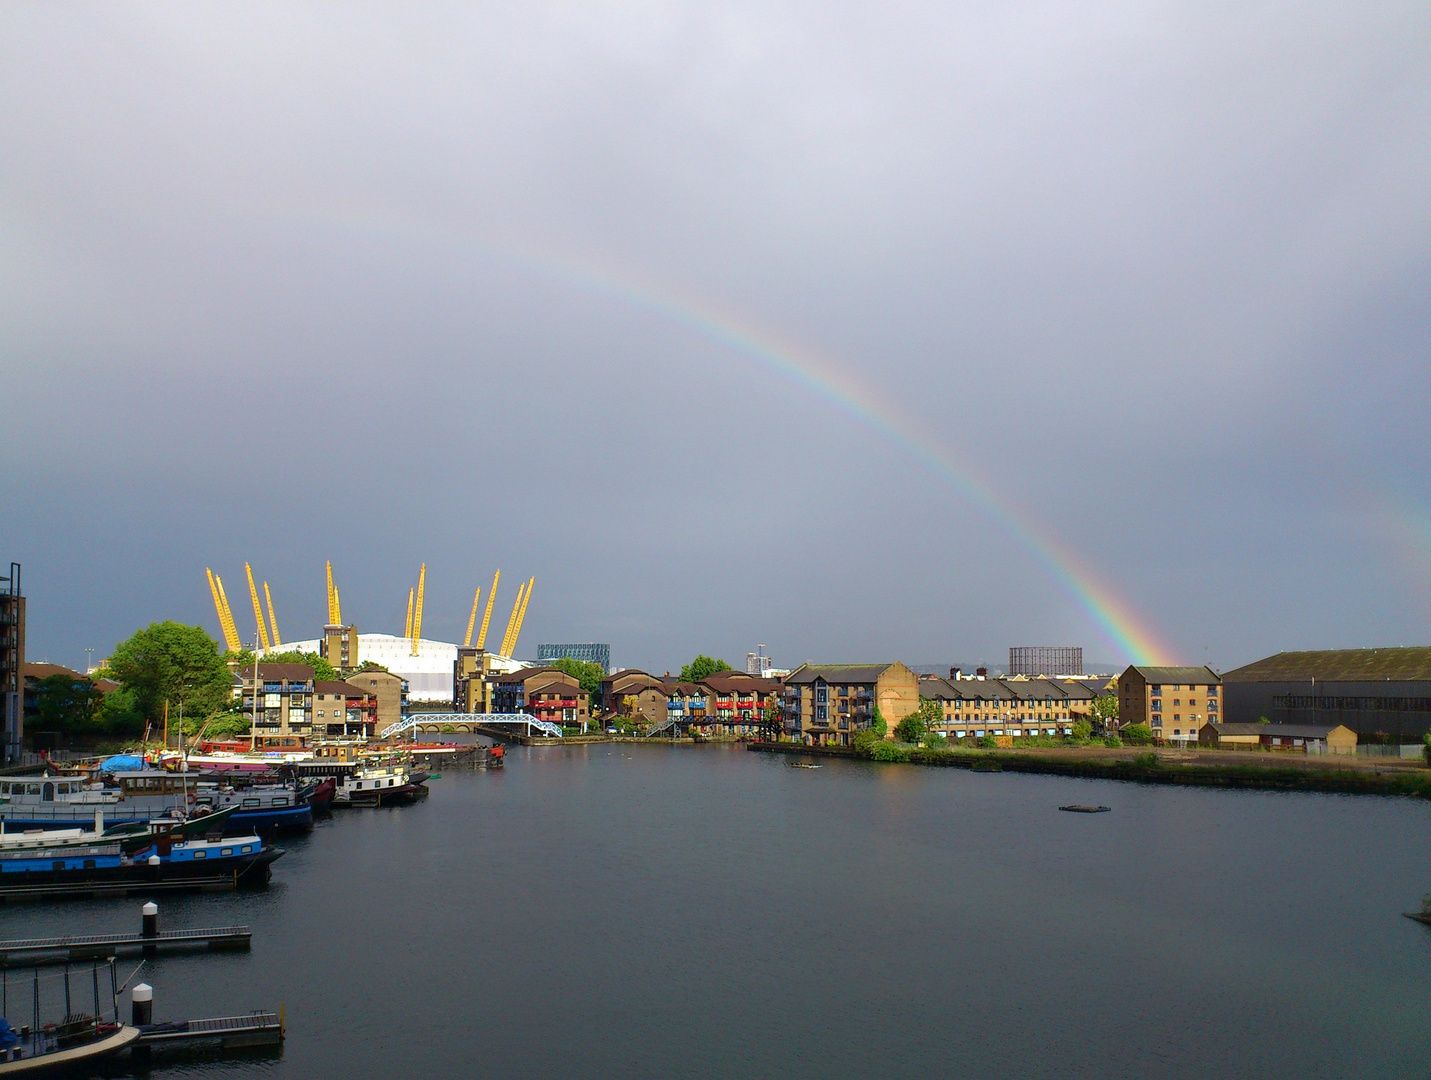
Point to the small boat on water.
(381, 784)
(1079, 808)
(803, 765)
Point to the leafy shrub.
(1146, 761)
(885, 750)
(1112, 740)
(1426, 749)
(936, 741)
(1082, 730)
(988, 742)
(1138, 735)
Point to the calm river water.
(632, 911)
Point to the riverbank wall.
(1148, 767)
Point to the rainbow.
(842, 391)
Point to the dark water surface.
(632, 911)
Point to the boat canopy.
(122, 763)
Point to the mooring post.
(142, 1005)
(150, 926)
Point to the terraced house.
(1006, 709)
(825, 704)
(1174, 701)
(546, 693)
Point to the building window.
(820, 712)
(1157, 721)
(822, 694)
(1211, 691)
(1157, 706)
(1157, 691)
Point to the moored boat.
(71, 1047)
(106, 868)
(380, 784)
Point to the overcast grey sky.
(384, 284)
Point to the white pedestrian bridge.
(467, 721)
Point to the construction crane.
(417, 611)
(472, 619)
(231, 638)
(257, 611)
(487, 615)
(272, 619)
(337, 605)
(407, 626)
(511, 622)
(232, 632)
(521, 617)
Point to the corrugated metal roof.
(1339, 665)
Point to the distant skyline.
(870, 335)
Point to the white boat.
(380, 784)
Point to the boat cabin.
(156, 782)
(45, 789)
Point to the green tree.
(120, 715)
(322, 670)
(702, 666)
(1104, 709)
(1082, 730)
(1137, 734)
(371, 665)
(66, 704)
(916, 725)
(169, 661)
(586, 673)
(772, 722)
(1426, 749)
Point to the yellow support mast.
(231, 628)
(272, 619)
(257, 611)
(510, 637)
(472, 619)
(521, 617)
(407, 626)
(512, 621)
(487, 615)
(231, 638)
(417, 611)
(333, 612)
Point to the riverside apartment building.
(1174, 701)
(825, 704)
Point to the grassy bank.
(1145, 767)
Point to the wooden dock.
(251, 1029)
(30, 952)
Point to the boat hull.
(72, 1059)
(23, 880)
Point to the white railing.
(416, 720)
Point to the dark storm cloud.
(1154, 272)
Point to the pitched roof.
(523, 674)
(45, 671)
(567, 685)
(347, 689)
(1281, 731)
(838, 673)
(724, 682)
(1338, 665)
(1177, 675)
